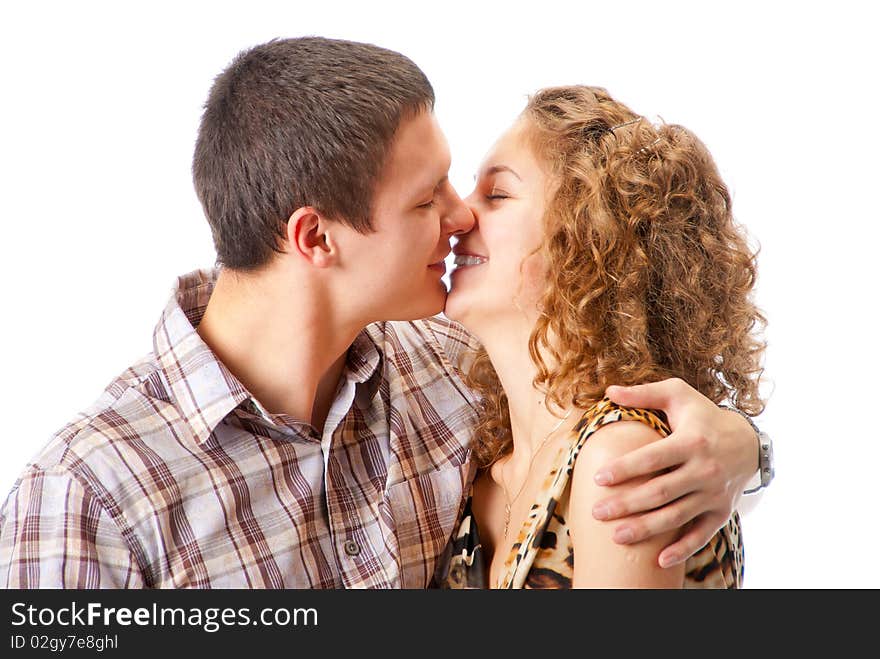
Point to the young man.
(295, 425)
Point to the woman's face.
(498, 278)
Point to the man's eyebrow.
(432, 186)
(438, 183)
(494, 169)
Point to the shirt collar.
(363, 364)
(202, 388)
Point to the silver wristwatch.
(765, 452)
(765, 462)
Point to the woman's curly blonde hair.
(651, 277)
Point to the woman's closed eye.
(496, 194)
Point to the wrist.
(760, 463)
(745, 435)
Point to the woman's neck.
(530, 418)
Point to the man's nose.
(459, 219)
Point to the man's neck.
(280, 339)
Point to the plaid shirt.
(177, 477)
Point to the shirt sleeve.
(55, 533)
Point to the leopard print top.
(543, 556)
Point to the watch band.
(765, 452)
(765, 462)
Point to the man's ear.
(308, 234)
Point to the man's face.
(396, 271)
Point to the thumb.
(654, 395)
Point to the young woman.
(604, 252)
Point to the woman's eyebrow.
(494, 169)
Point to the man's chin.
(428, 307)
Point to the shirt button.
(352, 548)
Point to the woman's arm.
(600, 561)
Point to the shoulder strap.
(524, 550)
(605, 412)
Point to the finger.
(655, 493)
(654, 395)
(668, 518)
(645, 461)
(704, 527)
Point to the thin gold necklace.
(508, 501)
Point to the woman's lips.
(465, 260)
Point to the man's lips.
(440, 264)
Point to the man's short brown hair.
(298, 122)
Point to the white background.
(100, 105)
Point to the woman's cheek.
(532, 280)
